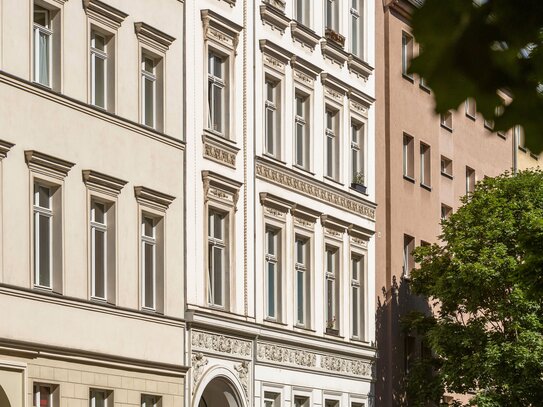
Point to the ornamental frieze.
(221, 344)
(219, 155)
(283, 355)
(353, 367)
(315, 191)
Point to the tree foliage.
(486, 283)
(472, 49)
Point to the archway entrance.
(4, 398)
(219, 393)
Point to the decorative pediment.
(103, 183)
(303, 216)
(154, 199)
(274, 56)
(220, 30)
(152, 37)
(47, 165)
(104, 13)
(330, 222)
(219, 150)
(274, 206)
(333, 53)
(5, 146)
(220, 189)
(272, 14)
(304, 71)
(304, 35)
(359, 236)
(359, 67)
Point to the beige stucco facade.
(407, 208)
(55, 330)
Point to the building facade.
(92, 207)
(427, 163)
(281, 122)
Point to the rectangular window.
(407, 53)
(471, 108)
(520, 139)
(445, 212)
(331, 403)
(217, 93)
(332, 15)
(149, 243)
(408, 156)
(357, 153)
(301, 123)
(99, 69)
(301, 12)
(446, 167)
(43, 46)
(331, 284)
(43, 395)
(101, 398)
(425, 165)
(43, 236)
(149, 90)
(357, 296)
(272, 399)
(302, 279)
(357, 34)
(447, 120)
(272, 117)
(273, 277)
(99, 249)
(332, 143)
(408, 261)
(470, 180)
(217, 249)
(300, 401)
(150, 401)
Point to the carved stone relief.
(216, 343)
(243, 373)
(198, 363)
(220, 155)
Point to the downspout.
(245, 169)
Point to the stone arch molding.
(220, 372)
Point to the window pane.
(355, 263)
(330, 156)
(217, 226)
(299, 107)
(269, 91)
(98, 212)
(44, 197)
(43, 59)
(216, 106)
(148, 275)
(269, 131)
(217, 275)
(354, 311)
(330, 302)
(99, 263)
(271, 290)
(41, 16)
(355, 34)
(99, 81)
(149, 102)
(300, 144)
(271, 242)
(45, 396)
(217, 67)
(299, 252)
(99, 398)
(44, 250)
(300, 296)
(148, 226)
(98, 42)
(148, 65)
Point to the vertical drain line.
(245, 240)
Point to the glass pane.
(44, 197)
(271, 290)
(149, 92)
(355, 263)
(330, 303)
(299, 252)
(100, 81)
(217, 275)
(148, 226)
(99, 398)
(299, 107)
(217, 226)
(98, 42)
(354, 159)
(217, 108)
(354, 34)
(329, 120)
(41, 16)
(44, 250)
(330, 156)
(299, 144)
(329, 6)
(149, 295)
(354, 311)
(148, 65)
(217, 67)
(45, 396)
(269, 131)
(300, 296)
(42, 58)
(269, 91)
(329, 261)
(271, 242)
(99, 263)
(98, 212)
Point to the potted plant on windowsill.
(358, 183)
(330, 327)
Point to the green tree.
(472, 49)
(485, 282)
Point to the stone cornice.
(152, 37)
(104, 13)
(219, 29)
(273, 15)
(359, 67)
(304, 35)
(220, 188)
(270, 48)
(304, 66)
(102, 182)
(404, 8)
(5, 146)
(148, 197)
(47, 164)
(272, 201)
(334, 53)
(293, 181)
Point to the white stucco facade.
(254, 181)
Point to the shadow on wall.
(4, 402)
(396, 349)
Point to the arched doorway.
(4, 398)
(219, 393)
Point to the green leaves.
(472, 51)
(486, 334)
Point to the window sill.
(425, 88)
(274, 322)
(272, 157)
(302, 169)
(469, 116)
(302, 328)
(426, 187)
(43, 288)
(149, 310)
(534, 156)
(326, 178)
(99, 300)
(523, 149)
(501, 135)
(218, 135)
(409, 178)
(332, 332)
(446, 175)
(444, 126)
(408, 78)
